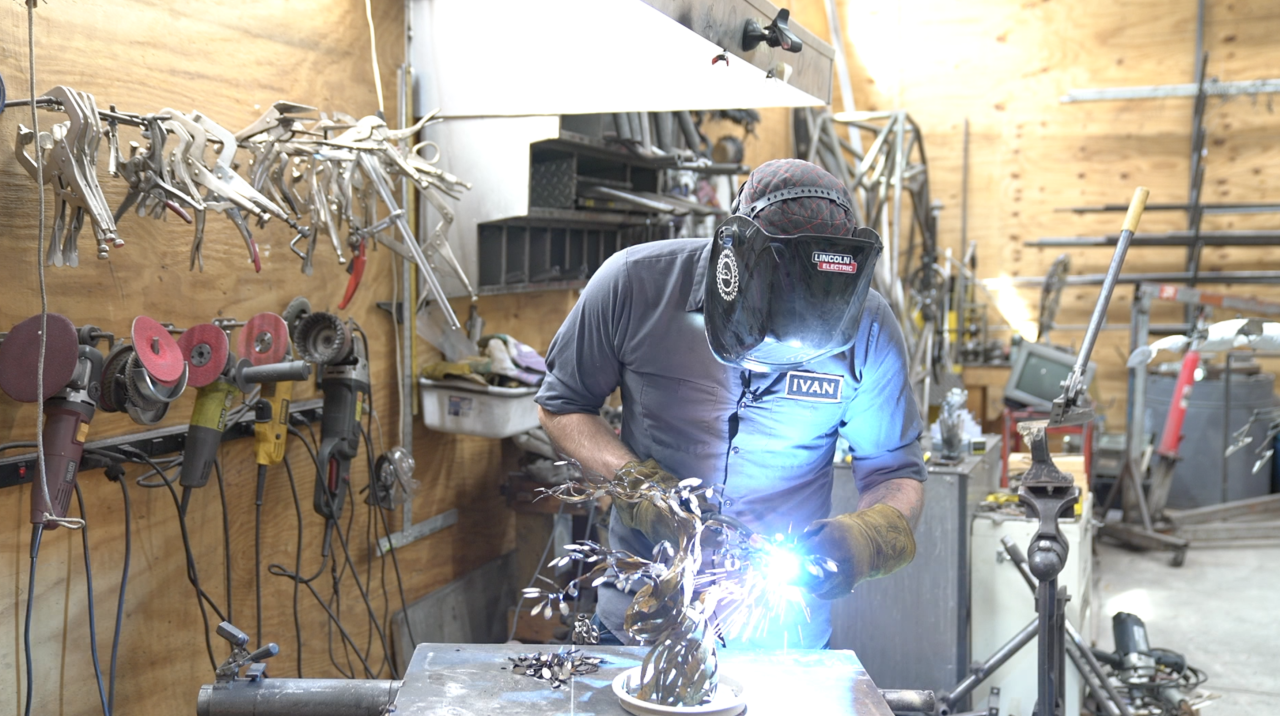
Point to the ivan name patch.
(819, 387)
(839, 263)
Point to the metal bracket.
(417, 530)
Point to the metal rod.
(1164, 277)
(1172, 238)
(996, 660)
(1109, 281)
(1226, 424)
(964, 194)
(1229, 208)
(1212, 88)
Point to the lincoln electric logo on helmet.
(839, 263)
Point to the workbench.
(460, 679)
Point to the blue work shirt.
(768, 438)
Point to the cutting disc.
(205, 348)
(20, 356)
(264, 339)
(157, 351)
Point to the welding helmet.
(789, 273)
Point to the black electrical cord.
(364, 594)
(297, 506)
(124, 584)
(355, 575)
(280, 571)
(93, 622)
(226, 536)
(37, 532)
(391, 548)
(193, 574)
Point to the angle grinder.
(144, 377)
(71, 386)
(216, 371)
(329, 342)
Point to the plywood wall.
(1003, 66)
(229, 61)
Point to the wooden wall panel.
(229, 61)
(1003, 65)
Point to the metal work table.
(464, 679)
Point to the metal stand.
(1149, 505)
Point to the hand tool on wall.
(205, 348)
(147, 173)
(145, 376)
(264, 343)
(70, 386)
(330, 342)
(70, 159)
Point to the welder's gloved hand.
(650, 519)
(865, 544)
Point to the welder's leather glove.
(650, 519)
(865, 544)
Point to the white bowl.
(727, 700)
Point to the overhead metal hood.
(505, 58)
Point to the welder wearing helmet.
(741, 360)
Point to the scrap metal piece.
(556, 668)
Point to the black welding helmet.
(788, 274)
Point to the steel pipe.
(298, 697)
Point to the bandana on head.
(802, 215)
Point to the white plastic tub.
(459, 406)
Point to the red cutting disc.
(20, 357)
(157, 351)
(205, 349)
(264, 339)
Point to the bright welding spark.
(780, 565)
(760, 590)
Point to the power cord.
(37, 532)
(226, 535)
(93, 623)
(296, 577)
(391, 548)
(193, 575)
(115, 473)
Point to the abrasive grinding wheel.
(205, 348)
(264, 339)
(157, 351)
(20, 356)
